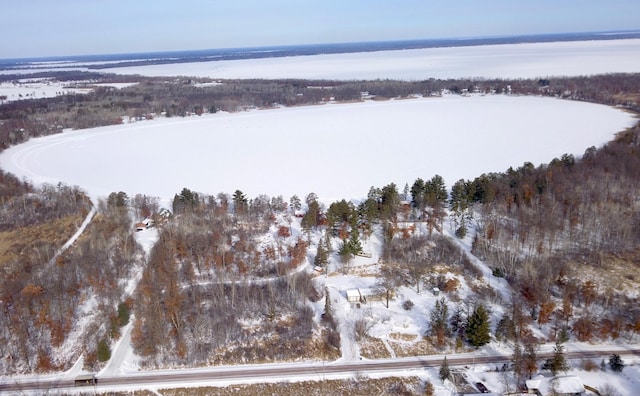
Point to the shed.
(436, 291)
(353, 295)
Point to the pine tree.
(444, 372)
(104, 352)
(355, 246)
(477, 330)
(616, 363)
(240, 202)
(311, 219)
(295, 204)
(417, 194)
(435, 191)
(322, 256)
(556, 363)
(439, 322)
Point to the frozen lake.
(335, 150)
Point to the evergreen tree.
(341, 214)
(367, 214)
(558, 362)
(616, 363)
(119, 200)
(240, 202)
(506, 329)
(355, 246)
(435, 191)
(187, 200)
(123, 314)
(460, 199)
(322, 256)
(311, 219)
(389, 201)
(458, 321)
(104, 351)
(477, 330)
(444, 372)
(417, 194)
(295, 204)
(439, 322)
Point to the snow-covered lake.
(530, 60)
(335, 150)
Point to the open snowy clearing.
(12, 91)
(336, 151)
(527, 60)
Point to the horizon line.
(468, 40)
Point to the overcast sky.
(38, 28)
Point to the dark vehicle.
(481, 387)
(85, 380)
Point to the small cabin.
(144, 224)
(353, 295)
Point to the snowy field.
(530, 60)
(11, 91)
(335, 150)
(36, 89)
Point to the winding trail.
(75, 236)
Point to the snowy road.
(225, 375)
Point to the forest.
(154, 97)
(215, 290)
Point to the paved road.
(284, 371)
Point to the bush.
(123, 314)
(407, 305)
(361, 328)
(450, 285)
(104, 351)
(429, 389)
(589, 365)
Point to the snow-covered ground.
(524, 60)
(335, 150)
(339, 151)
(46, 88)
(36, 89)
(530, 60)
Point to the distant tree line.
(21, 120)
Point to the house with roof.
(354, 296)
(568, 385)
